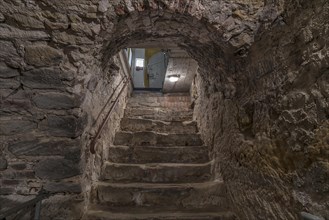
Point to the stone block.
(8, 33)
(103, 5)
(7, 191)
(26, 21)
(44, 78)
(9, 182)
(3, 163)
(18, 166)
(4, 93)
(42, 55)
(11, 107)
(2, 17)
(17, 174)
(81, 28)
(8, 52)
(12, 200)
(15, 126)
(9, 83)
(44, 147)
(7, 72)
(68, 187)
(56, 169)
(74, 18)
(63, 207)
(63, 126)
(55, 101)
(56, 25)
(69, 39)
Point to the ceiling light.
(174, 78)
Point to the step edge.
(160, 214)
(159, 133)
(191, 122)
(187, 110)
(151, 146)
(160, 185)
(162, 165)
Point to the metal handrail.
(126, 69)
(100, 129)
(107, 102)
(22, 209)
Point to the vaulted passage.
(248, 141)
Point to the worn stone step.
(142, 94)
(157, 173)
(161, 114)
(153, 154)
(166, 101)
(156, 139)
(198, 196)
(136, 124)
(161, 215)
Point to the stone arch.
(188, 25)
(166, 27)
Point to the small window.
(139, 64)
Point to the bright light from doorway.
(174, 78)
(139, 62)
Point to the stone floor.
(158, 167)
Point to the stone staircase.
(158, 167)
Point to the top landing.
(144, 93)
(175, 101)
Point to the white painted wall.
(138, 76)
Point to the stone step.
(165, 101)
(153, 154)
(181, 106)
(156, 139)
(161, 114)
(198, 196)
(161, 215)
(179, 127)
(157, 173)
(136, 94)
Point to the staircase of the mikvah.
(158, 167)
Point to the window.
(139, 64)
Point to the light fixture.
(174, 78)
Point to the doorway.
(148, 67)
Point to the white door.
(156, 69)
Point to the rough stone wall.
(102, 92)
(52, 87)
(269, 128)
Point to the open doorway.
(148, 67)
(169, 70)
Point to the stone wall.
(269, 125)
(52, 87)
